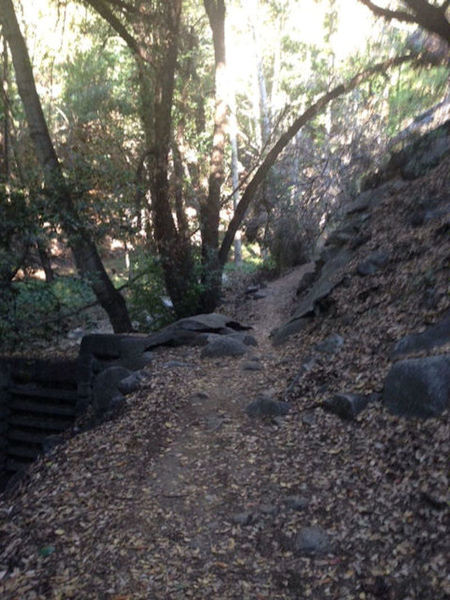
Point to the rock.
(175, 364)
(259, 296)
(130, 384)
(433, 337)
(225, 346)
(426, 153)
(244, 337)
(192, 330)
(418, 387)
(296, 502)
(362, 203)
(105, 388)
(280, 335)
(252, 289)
(331, 344)
(266, 406)
(373, 263)
(309, 418)
(330, 276)
(268, 509)
(311, 541)
(346, 406)
(252, 365)
(308, 278)
(243, 518)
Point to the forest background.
(150, 151)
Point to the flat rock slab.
(192, 330)
(418, 387)
(433, 337)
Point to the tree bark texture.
(84, 250)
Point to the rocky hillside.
(283, 470)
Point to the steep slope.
(185, 496)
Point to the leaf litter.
(184, 496)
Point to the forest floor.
(185, 496)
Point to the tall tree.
(210, 210)
(432, 16)
(83, 247)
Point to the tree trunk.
(83, 248)
(4, 166)
(210, 209)
(235, 177)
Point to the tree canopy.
(119, 119)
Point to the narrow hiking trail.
(185, 496)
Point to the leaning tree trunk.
(84, 250)
(210, 209)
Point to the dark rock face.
(373, 263)
(418, 387)
(224, 346)
(426, 153)
(433, 337)
(346, 406)
(315, 300)
(266, 406)
(312, 541)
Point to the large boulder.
(194, 330)
(433, 337)
(419, 387)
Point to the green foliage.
(32, 308)
(147, 298)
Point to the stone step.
(33, 391)
(17, 404)
(23, 451)
(43, 423)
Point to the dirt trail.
(196, 479)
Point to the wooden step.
(17, 404)
(29, 437)
(45, 424)
(33, 391)
(16, 465)
(23, 451)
